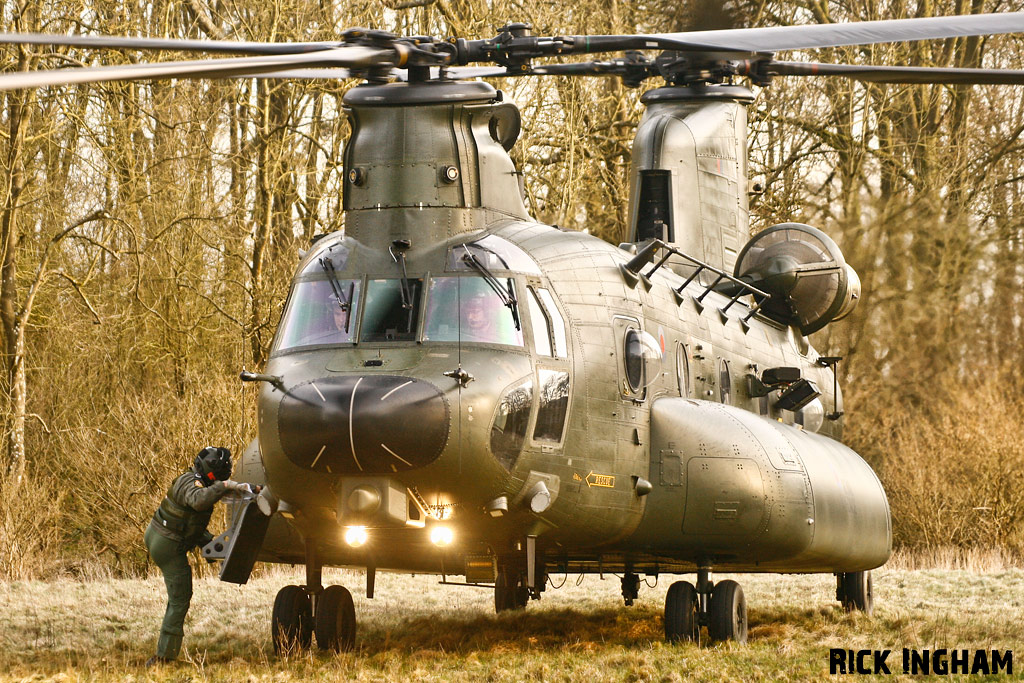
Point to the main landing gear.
(302, 611)
(854, 591)
(719, 606)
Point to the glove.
(237, 486)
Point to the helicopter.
(457, 389)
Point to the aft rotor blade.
(349, 56)
(778, 38)
(899, 74)
(181, 45)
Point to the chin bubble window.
(643, 361)
(510, 422)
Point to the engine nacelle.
(765, 497)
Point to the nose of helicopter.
(377, 424)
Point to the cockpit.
(468, 303)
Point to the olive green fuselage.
(557, 427)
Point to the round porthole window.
(643, 360)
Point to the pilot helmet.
(213, 464)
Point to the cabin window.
(683, 369)
(391, 311)
(557, 324)
(553, 392)
(319, 312)
(510, 422)
(643, 360)
(541, 327)
(469, 309)
(724, 382)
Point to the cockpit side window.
(467, 309)
(553, 392)
(510, 421)
(541, 326)
(319, 312)
(391, 313)
(557, 323)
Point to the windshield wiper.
(402, 246)
(507, 297)
(345, 302)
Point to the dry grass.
(417, 630)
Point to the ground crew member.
(178, 526)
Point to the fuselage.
(551, 402)
(448, 361)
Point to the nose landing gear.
(510, 591)
(301, 611)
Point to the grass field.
(417, 630)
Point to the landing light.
(441, 536)
(356, 536)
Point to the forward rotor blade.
(350, 56)
(182, 45)
(774, 39)
(899, 74)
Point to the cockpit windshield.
(392, 310)
(468, 309)
(319, 312)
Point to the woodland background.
(148, 232)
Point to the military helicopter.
(457, 389)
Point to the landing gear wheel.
(335, 620)
(291, 623)
(855, 592)
(681, 612)
(727, 613)
(510, 591)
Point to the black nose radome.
(377, 424)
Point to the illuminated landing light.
(356, 536)
(441, 536)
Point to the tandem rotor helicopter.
(457, 389)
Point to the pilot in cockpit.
(331, 324)
(480, 315)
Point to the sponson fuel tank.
(789, 494)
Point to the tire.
(335, 620)
(857, 592)
(681, 612)
(291, 622)
(509, 592)
(727, 613)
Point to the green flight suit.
(179, 525)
